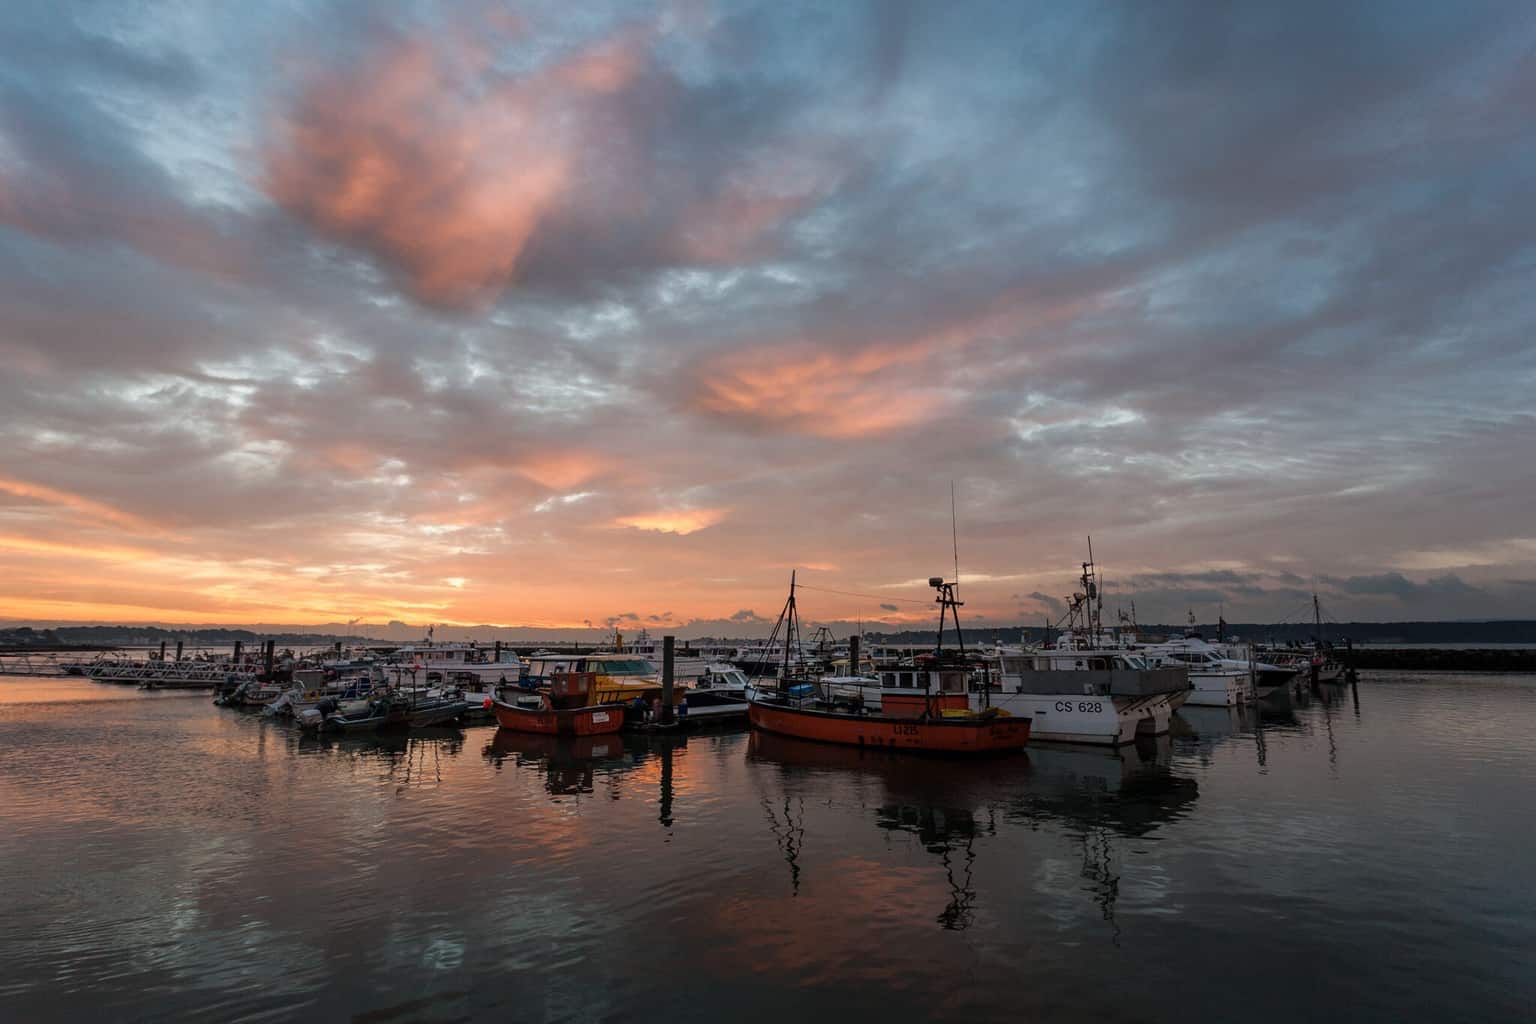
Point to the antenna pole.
(954, 535)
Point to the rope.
(871, 597)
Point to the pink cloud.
(437, 164)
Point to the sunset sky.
(559, 314)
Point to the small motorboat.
(435, 711)
(327, 716)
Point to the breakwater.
(1441, 659)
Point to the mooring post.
(271, 650)
(498, 650)
(668, 659)
(162, 650)
(235, 658)
(178, 650)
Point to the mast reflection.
(569, 763)
(1096, 797)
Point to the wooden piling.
(235, 658)
(270, 653)
(178, 650)
(853, 655)
(162, 650)
(668, 663)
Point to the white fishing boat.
(1102, 697)
(1084, 688)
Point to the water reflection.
(569, 764)
(408, 759)
(953, 808)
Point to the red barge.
(563, 711)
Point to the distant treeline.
(149, 636)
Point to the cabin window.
(1097, 663)
(888, 679)
(906, 680)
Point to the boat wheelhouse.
(617, 678)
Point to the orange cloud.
(678, 521)
(431, 161)
(562, 470)
(818, 394)
(873, 389)
(74, 502)
(67, 549)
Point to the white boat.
(1215, 681)
(687, 663)
(474, 670)
(1103, 697)
(720, 691)
(1085, 688)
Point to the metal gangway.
(154, 673)
(47, 665)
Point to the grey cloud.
(1396, 585)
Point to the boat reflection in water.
(569, 763)
(1090, 796)
(412, 758)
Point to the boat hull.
(449, 711)
(1085, 718)
(594, 720)
(1216, 690)
(939, 736)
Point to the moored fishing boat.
(563, 711)
(1101, 697)
(931, 715)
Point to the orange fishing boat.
(930, 713)
(562, 711)
(972, 734)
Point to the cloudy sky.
(548, 313)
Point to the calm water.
(1369, 856)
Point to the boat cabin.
(1091, 672)
(598, 664)
(920, 692)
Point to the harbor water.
(1361, 854)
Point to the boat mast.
(948, 604)
(1093, 603)
(789, 623)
